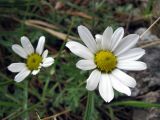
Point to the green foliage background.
(62, 86)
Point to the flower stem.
(25, 107)
(111, 113)
(90, 106)
(58, 56)
(45, 88)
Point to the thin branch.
(153, 43)
(38, 116)
(150, 27)
(51, 31)
(56, 115)
(42, 23)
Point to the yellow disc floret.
(33, 61)
(106, 61)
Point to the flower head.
(35, 59)
(108, 55)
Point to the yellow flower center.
(33, 61)
(106, 61)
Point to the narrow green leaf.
(111, 113)
(139, 104)
(8, 104)
(90, 106)
(27, 110)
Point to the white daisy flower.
(107, 55)
(35, 59)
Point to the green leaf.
(139, 104)
(8, 104)
(90, 106)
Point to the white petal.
(98, 38)
(106, 41)
(105, 88)
(48, 62)
(99, 41)
(79, 50)
(132, 54)
(86, 64)
(131, 65)
(93, 80)
(22, 75)
(40, 45)
(19, 50)
(27, 45)
(16, 67)
(126, 43)
(35, 72)
(124, 78)
(87, 38)
(117, 38)
(117, 85)
(45, 54)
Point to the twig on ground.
(52, 32)
(46, 27)
(42, 23)
(153, 43)
(38, 116)
(150, 27)
(56, 115)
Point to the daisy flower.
(35, 59)
(108, 55)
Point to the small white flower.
(107, 55)
(35, 59)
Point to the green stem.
(25, 107)
(24, 111)
(60, 51)
(90, 106)
(45, 88)
(111, 113)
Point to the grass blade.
(139, 104)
